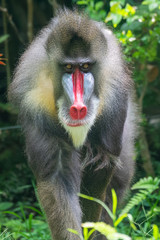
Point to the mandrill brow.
(77, 109)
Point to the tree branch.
(6, 48)
(144, 148)
(9, 17)
(30, 20)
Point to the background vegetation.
(136, 24)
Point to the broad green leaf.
(156, 233)
(123, 12)
(108, 18)
(147, 2)
(82, 2)
(123, 2)
(136, 54)
(130, 9)
(4, 37)
(115, 7)
(153, 6)
(116, 18)
(5, 205)
(99, 5)
(129, 33)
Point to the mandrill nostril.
(83, 112)
(74, 112)
(78, 112)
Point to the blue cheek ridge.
(88, 86)
(68, 87)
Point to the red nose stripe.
(78, 110)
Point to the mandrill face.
(78, 104)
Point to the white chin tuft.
(78, 134)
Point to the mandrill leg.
(94, 184)
(99, 183)
(62, 209)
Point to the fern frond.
(147, 183)
(146, 186)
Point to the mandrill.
(76, 107)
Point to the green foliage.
(146, 186)
(105, 229)
(139, 227)
(117, 12)
(140, 33)
(156, 232)
(24, 225)
(109, 232)
(94, 9)
(75, 232)
(98, 201)
(5, 206)
(28, 222)
(4, 38)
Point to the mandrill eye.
(85, 67)
(68, 68)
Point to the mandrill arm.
(57, 171)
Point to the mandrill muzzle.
(78, 88)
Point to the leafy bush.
(128, 224)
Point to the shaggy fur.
(90, 159)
